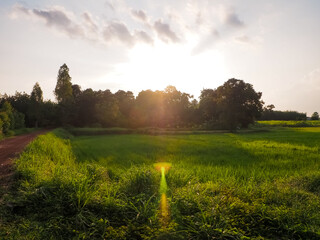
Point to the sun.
(155, 67)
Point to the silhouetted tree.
(85, 103)
(149, 109)
(269, 114)
(125, 102)
(176, 107)
(36, 98)
(106, 109)
(208, 106)
(239, 104)
(63, 90)
(64, 95)
(315, 116)
(76, 91)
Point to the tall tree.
(36, 94)
(36, 98)
(63, 90)
(64, 95)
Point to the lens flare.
(160, 165)
(164, 206)
(164, 210)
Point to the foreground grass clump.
(258, 185)
(57, 197)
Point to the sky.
(190, 44)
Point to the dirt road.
(10, 149)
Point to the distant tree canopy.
(315, 116)
(269, 114)
(233, 105)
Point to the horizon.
(192, 45)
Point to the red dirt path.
(10, 149)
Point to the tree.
(64, 95)
(7, 118)
(36, 98)
(238, 103)
(36, 94)
(63, 90)
(126, 103)
(76, 91)
(315, 116)
(106, 108)
(176, 106)
(149, 109)
(208, 105)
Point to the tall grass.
(262, 185)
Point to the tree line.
(233, 105)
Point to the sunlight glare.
(156, 67)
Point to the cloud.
(18, 10)
(55, 17)
(140, 15)
(84, 25)
(165, 33)
(231, 18)
(118, 31)
(206, 42)
(144, 37)
(89, 22)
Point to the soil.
(10, 149)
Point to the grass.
(21, 131)
(260, 185)
(17, 132)
(275, 123)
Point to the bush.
(5, 122)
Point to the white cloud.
(144, 37)
(194, 22)
(140, 15)
(58, 18)
(165, 33)
(89, 22)
(87, 28)
(118, 31)
(231, 18)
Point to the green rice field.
(246, 185)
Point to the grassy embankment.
(230, 186)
